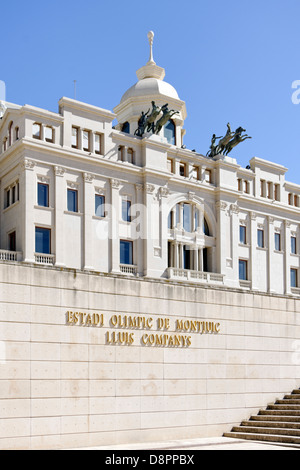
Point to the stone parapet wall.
(88, 359)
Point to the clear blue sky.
(230, 61)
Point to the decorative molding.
(234, 208)
(164, 191)
(221, 205)
(28, 164)
(88, 177)
(149, 188)
(59, 171)
(115, 183)
(139, 187)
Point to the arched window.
(10, 134)
(126, 128)
(205, 227)
(170, 132)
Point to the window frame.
(261, 242)
(295, 279)
(293, 245)
(277, 241)
(39, 135)
(40, 185)
(75, 192)
(243, 235)
(44, 230)
(102, 205)
(125, 211)
(244, 263)
(123, 260)
(76, 129)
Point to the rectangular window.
(126, 208)
(12, 241)
(294, 277)
(126, 252)
(37, 131)
(243, 234)
(72, 200)
(99, 205)
(277, 242)
(187, 217)
(277, 192)
(7, 198)
(207, 176)
(49, 134)
(260, 238)
(293, 245)
(75, 137)
(13, 194)
(170, 165)
(182, 169)
(98, 144)
(243, 274)
(43, 195)
(42, 240)
(195, 172)
(86, 141)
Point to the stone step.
(278, 412)
(278, 431)
(288, 401)
(275, 418)
(296, 391)
(271, 424)
(265, 437)
(280, 406)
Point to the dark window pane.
(294, 277)
(242, 270)
(43, 193)
(260, 238)
(42, 240)
(169, 132)
(72, 200)
(126, 205)
(277, 242)
(242, 234)
(99, 205)
(293, 245)
(126, 252)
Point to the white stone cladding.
(63, 385)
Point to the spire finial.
(150, 38)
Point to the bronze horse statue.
(237, 139)
(167, 114)
(150, 121)
(224, 140)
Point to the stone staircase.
(278, 424)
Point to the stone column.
(253, 244)
(287, 252)
(148, 241)
(221, 235)
(114, 225)
(60, 199)
(270, 253)
(28, 200)
(88, 212)
(139, 229)
(234, 235)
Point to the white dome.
(150, 87)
